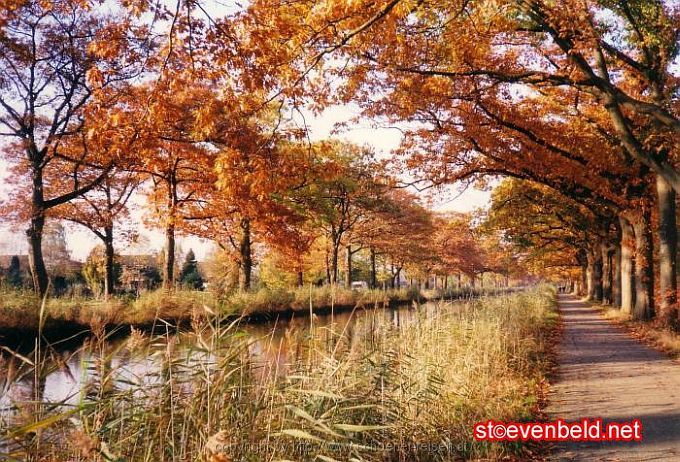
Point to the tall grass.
(372, 392)
(19, 309)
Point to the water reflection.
(139, 362)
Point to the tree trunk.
(246, 263)
(595, 275)
(334, 262)
(632, 145)
(627, 266)
(35, 256)
(169, 270)
(300, 279)
(348, 274)
(668, 246)
(607, 275)
(374, 273)
(644, 267)
(583, 285)
(616, 276)
(109, 262)
(590, 286)
(35, 233)
(329, 278)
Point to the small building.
(359, 285)
(65, 273)
(139, 272)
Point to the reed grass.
(18, 309)
(367, 392)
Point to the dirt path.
(605, 373)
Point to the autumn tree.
(543, 225)
(399, 231)
(173, 157)
(99, 210)
(340, 203)
(54, 57)
(524, 46)
(101, 272)
(570, 106)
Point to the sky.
(80, 241)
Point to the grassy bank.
(409, 392)
(22, 310)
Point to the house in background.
(139, 272)
(65, 274)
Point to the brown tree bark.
(607, 274)
(374, 273)
(348, 274)
(616, 275)
(627, 266)
(668, 247)
(582, 284)
(329, 278)
(594, 272)
(169, 269)
(109, 281)
(335, 251)
(644, 267)
(35, 256)
(246, 257)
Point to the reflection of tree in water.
(119, 374)
(278, 348)
(23, 380)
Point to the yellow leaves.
(115, 119)
(205, 119)
(136, 7)
(110, 42)
(95, 77)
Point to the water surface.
(71, 375)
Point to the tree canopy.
(202, 111)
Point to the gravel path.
(605, 373)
